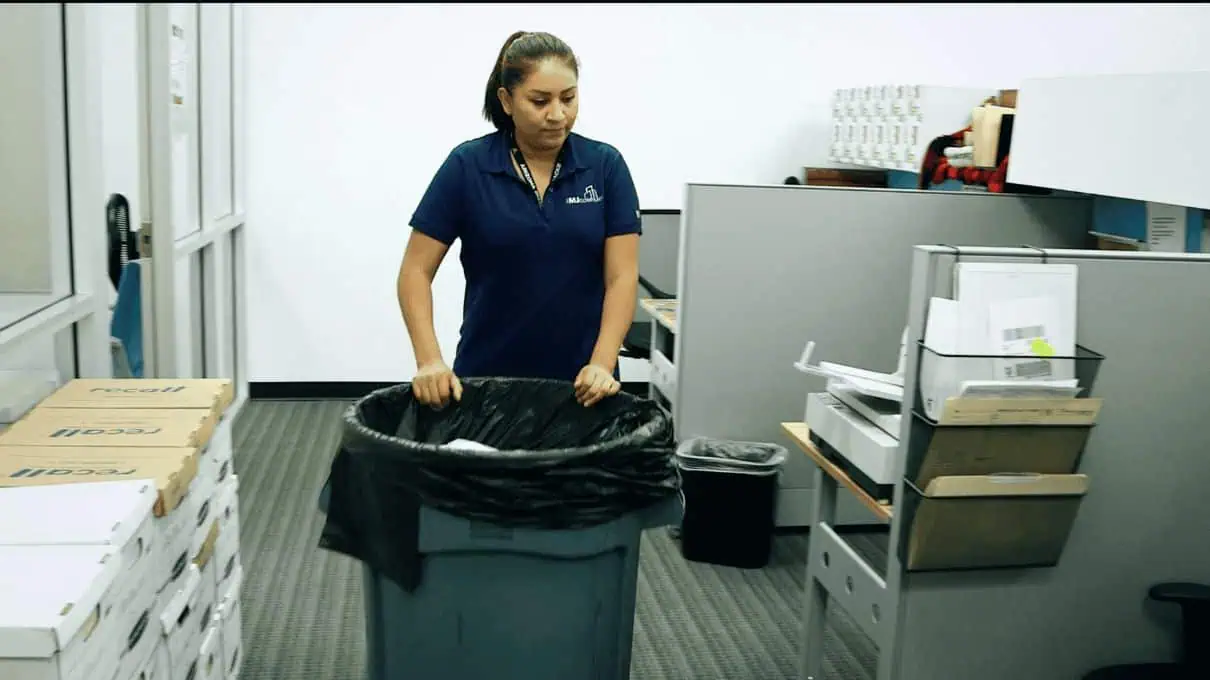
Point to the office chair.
(1194, 601)
(125, 324)
(637, 344)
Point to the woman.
(549, 223)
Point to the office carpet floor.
(303, 606)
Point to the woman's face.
(545, 105)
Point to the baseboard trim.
(313, 390)
(281, 391)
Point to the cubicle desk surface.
(801, 436)
(663, 311)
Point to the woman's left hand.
(594, 383)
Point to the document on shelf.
(1166, 225)
(1030, 327)
(975, 412)
(985, 293)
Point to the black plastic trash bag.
(558, 465)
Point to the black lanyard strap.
(529, 176)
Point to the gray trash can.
(470, 569)
(511, 604)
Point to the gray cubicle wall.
(763, 269)
(1144, 519)
(658, 252)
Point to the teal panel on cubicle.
(1128, 218)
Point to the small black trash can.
(730, 495)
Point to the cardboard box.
(171, 470)
(144, 393)
(115, 515)
(56, 628)
(991, 521)
(118, 428)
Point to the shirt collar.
(501, 160)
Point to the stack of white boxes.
(891, 126)
(119, 535)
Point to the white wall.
(352, 108)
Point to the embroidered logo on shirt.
(590, 196)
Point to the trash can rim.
(778, 457)
(640, 435)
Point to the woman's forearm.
(416, 302)
(616, 317)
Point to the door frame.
(172, 330)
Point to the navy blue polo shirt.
(535, 275)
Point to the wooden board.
(663, 311)
(801, 436)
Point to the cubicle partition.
(764, 269)
(658, 253)
(1142, 522)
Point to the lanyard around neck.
(529, 176)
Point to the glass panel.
(30, 370)
(35, 240)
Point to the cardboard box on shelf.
(116, 428)
(114, 515)
(58, 628)
(144, 393)
(171, 470)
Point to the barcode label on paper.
(1026, 333)
(1028, 369)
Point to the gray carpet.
(302, 606)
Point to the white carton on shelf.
(116, 515)
(216, 461)
(210, 655)
(229, 621)
(201, 511)
(53, 623)
(186, 622)
(232, 640)
(154, 668)
(226, 549)
(890, 126)
(182, 530)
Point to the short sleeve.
(440, 214)
(621, 200)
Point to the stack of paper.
(1001, 310)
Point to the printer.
(855, 423)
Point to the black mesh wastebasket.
(730, 491)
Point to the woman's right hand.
(435, 384)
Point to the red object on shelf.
(935, 169)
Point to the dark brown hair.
(521, 52)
